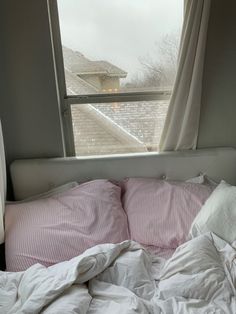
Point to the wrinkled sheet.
(200, 277)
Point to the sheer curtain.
(182, 121)
(2, 186)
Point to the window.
(120, 60)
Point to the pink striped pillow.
(160, 212)
(62, 226)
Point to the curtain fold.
(182, 121)
(2, 186)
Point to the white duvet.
(123, 278)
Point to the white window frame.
(65, 101)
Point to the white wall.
(218, 115)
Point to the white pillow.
(218, 214)
(199, 179)
(202, 179)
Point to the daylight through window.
(120, 61)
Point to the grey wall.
(28, 103)
(218, 114)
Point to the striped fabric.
(57, 228)
(160, 212)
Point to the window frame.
(65, 100)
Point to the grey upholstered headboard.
(33, 176)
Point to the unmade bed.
(125, 234)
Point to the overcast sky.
(119, 31)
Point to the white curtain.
(2, 186)
(182, 121)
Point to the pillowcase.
(160, 212)
(218, 215)
(54, 191)
(62, 226)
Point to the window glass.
(117, 128)
(119, 45)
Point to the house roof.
(77, 86)
(136, 126)
(77, 63)
(143, 120)
(118, 127)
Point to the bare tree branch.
(160, 67)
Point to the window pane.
(117, 128)
(119, 45)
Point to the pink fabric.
(60, 227)
(160, 212)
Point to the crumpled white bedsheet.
(199, 278)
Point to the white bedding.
(199, 278)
